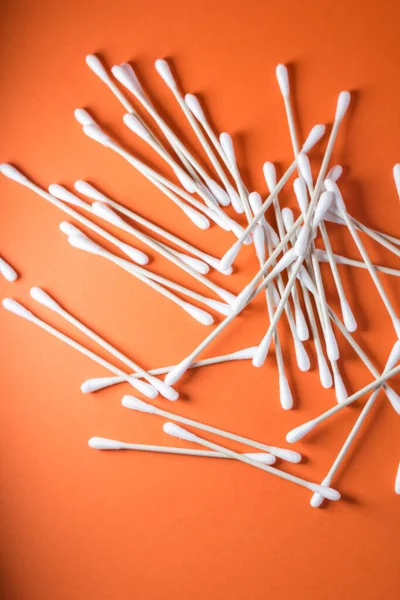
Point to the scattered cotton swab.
(7, 271)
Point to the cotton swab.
(17, 308)
(136, 404)
(397, 480)
(344, 260)
(82, 242)
(299, 432)
(332, 186)
(99, 383)
(227, 146)
(104, 211)
(396, 177)
(179, 432)
(394, 357)
(96, 66)
(100, 443)
(44, 298)
(226, 261)
(7, 271)
(88, 190)
(13, 173)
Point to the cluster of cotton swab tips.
(211, 190)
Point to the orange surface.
(79, 524)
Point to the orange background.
(80, 524)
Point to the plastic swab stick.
(140, 405)
(179, 432)
(99, 443)
(17, 308)
(7, 271)
(44, 298)
(99, 383)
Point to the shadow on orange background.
(83, 524)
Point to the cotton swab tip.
(135, 125)
(15, 307)
(262, 457)
(348, 317)
(342, 105)
(199, 314)
(177, 372)
(194, 106)
(396, 177)
(139, 405)
(323, 205)
(97, 134)
(283, 80)
(88, 190)
(335, 173)
(82, 242)
(299, 432)
(285, 393)
(269, 175)
(95, 384)
(313, 138)
(70, 229)
(227, 146)
(165, 390)
(7, 271)
(83, 117)
(13, 173)
(176, 431)
(95, 65)
(229, 256)
(316, 500)
(99, 443)
(145, 388)
(305, 168)
(60, 192)
(41, 296)
(163, 69)
(397, 481)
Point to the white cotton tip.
(227, 296)
(199, 314)
(70, 229)
(306, 280)
(220, 307)
(340, 388)
(99, 443)
(255, 202)
(97, 134)
(396, 324)
(323, 205)
(185, 180)
(333, 217)
(121, 75)
(7, 271)
(95, 65)
(88, 190)
(105, 212)
(300, 190)
(134, 124)
(316, 500)
(285, 454)
(261, 457)
(262, 351)
(194, 106)
(327, 492)
(285, 394)
(17, 308)
(230, 255)
(243, 297)
(396, 177)
(82, 242)
(275, 294)
(234, 197)
(325, 375)
(342, 105)
(177, 372)
(332, 348)
(163, 69)
(348, 318)
(314, 136)
(60, 192)
(303, 164)
(83, 117)
(246, 353)
(179, 432)
(283, 80)
(259, 243)
(287, 218)
(136, 255)
(139, 405)
(144, 388)
(299, 432)
(132, 77)
(98, 383)
(287, 259)
(302, 241)
(197, 218)
(394, 356)
(335, 173)
(198, 265)
(397, 481)
(13, 173)
(218, 192)
(165, 390)
(302, 358)
(44, 298)
(227, 147)
(273, 236)
(269, 175)
(393, 398)
(301, 325)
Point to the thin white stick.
(179, 432)
(394, 356)
(344, 260)
(21, 311)
(299, 432)
(100, 443)
(99, 383)
(7, 271)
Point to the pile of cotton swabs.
(289, 273)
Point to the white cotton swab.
(17, 308)
(394, 357)
(100, 443)
(229, 150)
(179, 432)
(344, 260)
(299, 432)
(396, 177)
(314, 136)
(397, 480)
(141, 406)
(44, 298)
(104, 211)
(7, 271)
(96, 66)
(13, 173)
(341, 207)
(82, 242)
(99, 383)
(88, 190)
